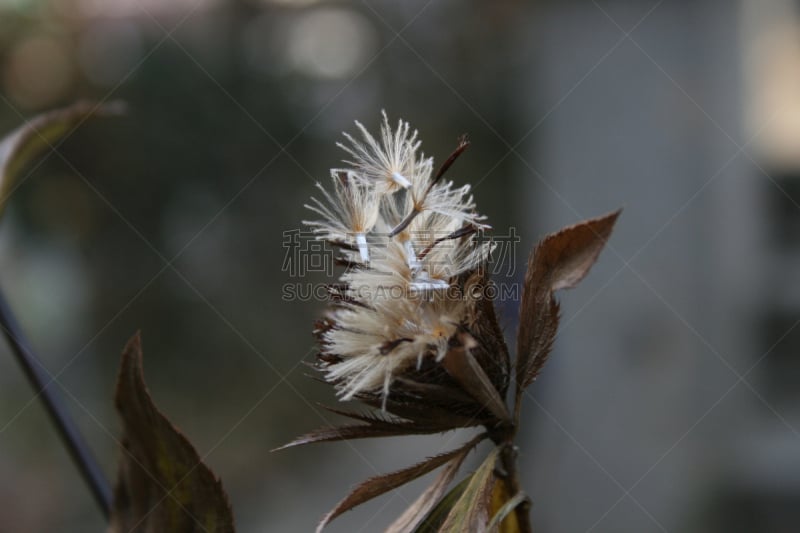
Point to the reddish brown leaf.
(375, 425)
(359, 431)
(560, 261)
(417, 511)
(163, 485)
(462, 366)
(370, 417)
(491, 352)
(543, 327)
(382, 484)
(564, 258)
(443, 416)
(434, 392)
(432, 422)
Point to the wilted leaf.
(382, 484)
(358, 431)
(434, 392)
(444, 416)
(491, 352)
(18, 148)
(417, 511)
(560, 261)
(438, 515)
(462, 366)
(163, 485)
(369, 417)
(502, 507)
(471, 511)
(375, 426)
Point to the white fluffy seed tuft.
(410, 238)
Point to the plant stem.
(41, 380)
(508, 460)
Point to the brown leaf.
(462, 366)
(21, 146)
(564, 258)
(431, 398)
(471, 511)
(163, 485)
(417, 511)
(434, 393)
(359, 431)
(491, 352)
(542, 325)
(559, 261)
(444, 417)
(382, 484)
(370, 417)
(375, 425)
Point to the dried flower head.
(413, 333)
(407, 236)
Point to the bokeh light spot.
(109, 50)
(38, 71)
(330, 43)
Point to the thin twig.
(76, 446)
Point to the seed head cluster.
(410, 240)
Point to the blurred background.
(671, 401)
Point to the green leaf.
(21, 146)
(471, 511)
(163, 484)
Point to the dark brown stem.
(517, 402)
(461, 232)
(508, 461)
(42, 383)
(463, 143)
(406, 221)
